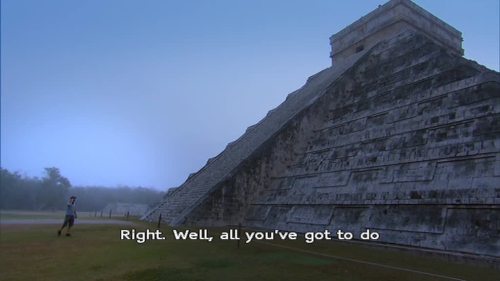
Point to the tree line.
(18, 192)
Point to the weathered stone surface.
(403, 138)
(383, 22)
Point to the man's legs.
(71, 221)
(66, 221)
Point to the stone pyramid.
(401, 135)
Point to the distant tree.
(92, 198)
(9, 188)
(17, 192)
(54, 190)
(51, 191)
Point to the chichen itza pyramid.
(400, 135)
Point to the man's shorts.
(69, 220)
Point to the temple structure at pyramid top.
(387, 20)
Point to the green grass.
(95, 252)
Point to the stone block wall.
(406, 142)
(392, 18)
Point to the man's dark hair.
(72, 197)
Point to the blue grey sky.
(121, 92)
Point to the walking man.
(70, 217)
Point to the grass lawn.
(95, 252)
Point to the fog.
(142, 93)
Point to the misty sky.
(144, 92)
